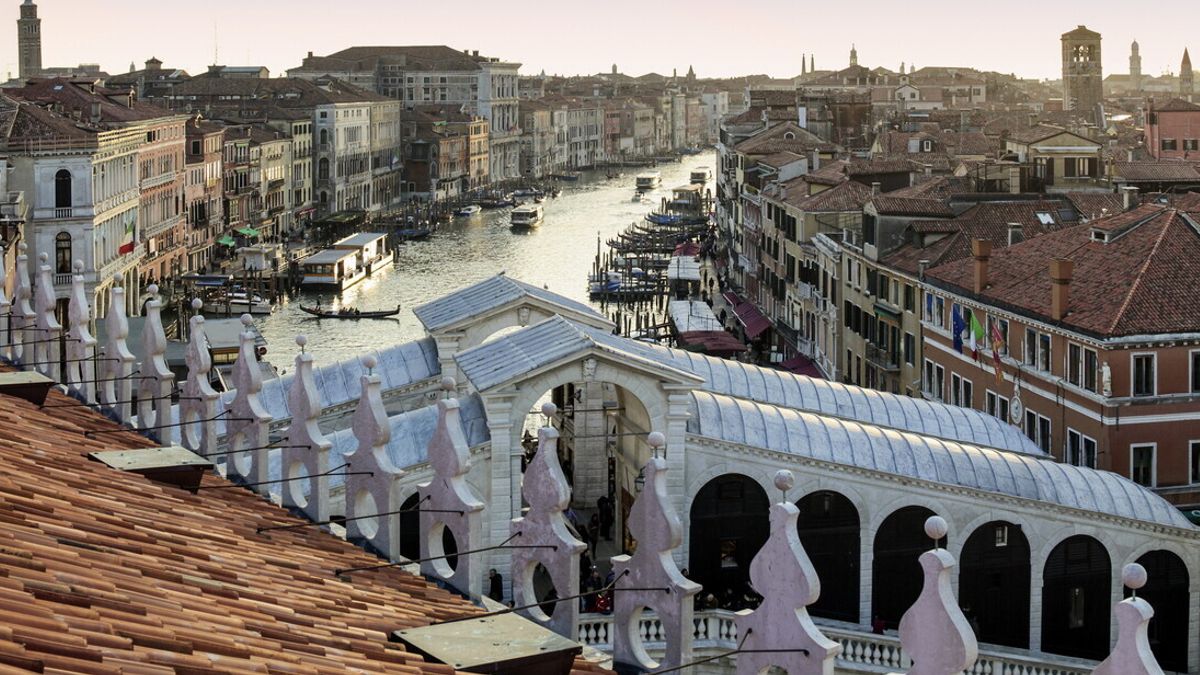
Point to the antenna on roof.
(216, 51)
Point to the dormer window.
(1100, 236)
(789, 136)
(926, 146)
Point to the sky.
(720, 39)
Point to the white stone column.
(248, 424)
(47, 351)
(116, 390)
(679, 403)
(447, 347)
(157, 380)
(25, 319)
(5, 314)
(590, 462)
(81, 374)
(866, 571)
(505, 497)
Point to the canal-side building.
(203, 198)
(1097, 340)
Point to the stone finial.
(449, 458)
(546, 491)
(116, 389)
(784, 576)
(309, 497)
(81, 345)
(248, 424)
(933, 632)
(157, 380)
(198, 402)
(655, 526)
(45, 301)
(24, 317)
(378, 492)
(1131, 655)
(5, 312)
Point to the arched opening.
(728, 525)
(324, 137)
(323, 169)
(1167, 592)
(410, 528)
(993, 584)
(62, 253)
(896, 577)
(829, 531)
(62, 189)
(1075, 599)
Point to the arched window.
(324, 137)
(62, 253)
(1076, 583)
(410, 528)
(729, 523)
(62, 189)
(993, 584)
(323, 169)
(1166, 590)
(828, 529)
(896, 574)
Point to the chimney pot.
(1061, 272)
(922, 265)
(1129, 197)
(981, 249)
(875, 188)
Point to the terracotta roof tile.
(104, 571)
(911, 206)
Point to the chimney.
(310, 55)
(1016, 233)
(816, 160)
(875, 189)
(1129, 197)
(981, 249)
(1061, 271)
(922, 265)
(95, 119)
(1014, 180)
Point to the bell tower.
(29, 41)
(1083, 76)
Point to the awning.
(716, 343)
(752, 319)
(247, 231)
(227, 241)
(801, 365)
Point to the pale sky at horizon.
(720, 39)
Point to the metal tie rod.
(53, 339)
(101, 405)
(285, 480)
(502, 545)
(739, 650)
(276, 528)
(52, 363)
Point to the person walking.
(495, 585)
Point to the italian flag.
(127, 240)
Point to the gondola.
(323, 314)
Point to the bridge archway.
(896, 577)
(729, 524)
(1076, 598)
(829, 531)
(993, 583)
(1167, 592)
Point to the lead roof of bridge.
(489, 294)
(922, 457)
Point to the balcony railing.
(862, 652)
(62, 279)
(64, 212)
(882, 359)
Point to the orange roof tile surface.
(103, 571)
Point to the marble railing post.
(546, 491)
(313, 459)
(934, 633)
(116, 387)
(449, 491)
(656, 527)
(6, 318)
(783, 575)
(1132, 654)
(248, 424)
(25, 318)
(47, 350)
(157, 380)
(373, 481)
(197, 399)
(81, 346)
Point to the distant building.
(1083, 76)
(1135, 67)
(29, 41)
(152, 83)
(1173, 130)
(1186, 77)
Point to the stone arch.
(1076, 598)
(830, 530)
(896, 576)
(994, 581)
(728, 519)
(1167, 590)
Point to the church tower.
(1135, 67)
(1083, 77)
(853, 55)
(1186, 86)
(29, 41)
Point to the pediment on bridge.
(527, 353)
(491, 298)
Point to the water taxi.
(370, 249)
(529, 215)
(649, 180)
(701, 175)
(468, 210)
(236, 302)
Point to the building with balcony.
(203, 194)
(1056, 160)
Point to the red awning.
(752, 319)
(714, 342)
(731, 298)
(801, 365)
(689, 249)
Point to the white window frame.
(1083, 438)
(991, 404)
(1153, 462)
(1133, 374)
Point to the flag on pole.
(997, 347)
(127, 239)
(977, 336)
(957, 326)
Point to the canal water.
(557, 255)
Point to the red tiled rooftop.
(103, 571)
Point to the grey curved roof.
(489, 294)
(552, 339)
(904, 453)
(411, 432)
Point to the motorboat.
(468, 210)
(649, 180)
(530, 215)
(237, 301)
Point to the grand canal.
(557, 255)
